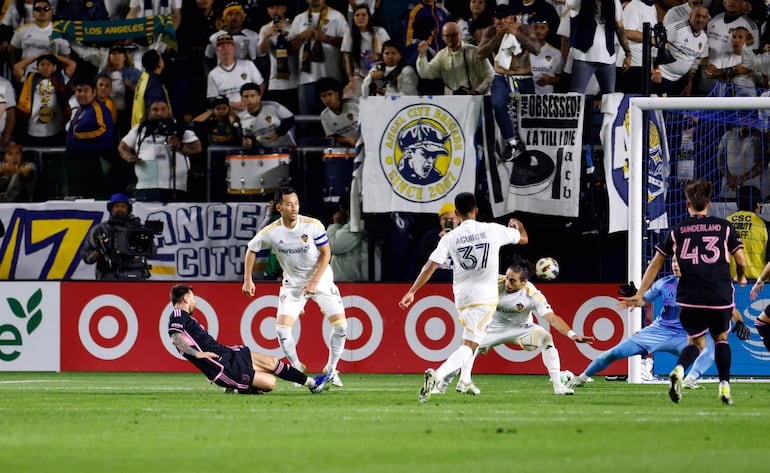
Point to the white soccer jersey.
(720, 33)
(516, 308)
(33, 41)
(265, 122)
(676, 14)
(688, 50)
(8, 97)
(345, 124)
(635, 15)
(335, 25)
(550, 62)
(474, 248)
(295, 248)
(276, 83)
(228, 80)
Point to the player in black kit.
(233, 367)
(703, 246)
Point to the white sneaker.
(690, 383)
(429, 383)
(336, 381)
(562, 390)
(675, 383)
(469, 388)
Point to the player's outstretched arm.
(637, 300)
(559, 324)
(248, 266)
(184, 348)
(515, 223)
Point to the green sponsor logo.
(10, 335)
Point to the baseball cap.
(224, 39)
(448, 207)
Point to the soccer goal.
(697, 128)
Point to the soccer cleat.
(675, 383)
(320, 383)
(575, 382)
(428, 384)
(690, 383)
(562, 390)
(724, 393)
(469, 388)
(336, 381)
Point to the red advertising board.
(122, 327)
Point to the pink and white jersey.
(474, 248)
(296, 249)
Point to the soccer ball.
(547, 268)
(565, 376)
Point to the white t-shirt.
(8, 97)
(228, 81)
(550, 62)
(516, 308)
(564, 27)
(367, 44)
(34, 41)
(334, 26)
(264, 123)
(474, 248)
(37, 128)
(275, 83)
(635, 15)
(598, 52)
(295, 248)
(153, 171)
(343, 124)
(688, 50)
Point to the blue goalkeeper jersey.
(666, 289)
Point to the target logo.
(599, 318)
(258, 326)
(108, 327)
(431, 328)
(365, 328)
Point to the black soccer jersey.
(702, 246)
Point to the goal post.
(636, 187)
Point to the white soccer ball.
(547, 268)
(565, 376)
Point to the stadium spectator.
(34, 39)
(686, 45)
(7, 111)
(548, 64)
(474, 285)
(265, 124)
(458, 65)
(635, 14)
(448, 221)
(424, 31)
(231, 73)
(741, 162)
(705, 291)
(752, 230)
(42, 107)
(246, 41)
(339, 118)
(568, 53)
(478, 11)
(233, 367)
(17, 176)
(284, 69)
(90, 145)
(592, 43)
(729, 69)
(316, 34)
(159, 150)
(145, 8)
(150, 87)
(361, 49)
(302, 247)
(393, 77)
(219, 123)
(680, 13)
(124, 80)
(103, 93)
(437, 15)
(349, 249)
(371, 4)
(527, 11)
(17, 13)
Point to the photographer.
(119, 254)
(159, 149)
(393, 76)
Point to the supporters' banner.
(615, 136)
(546, 178)
(419, 151)
(113, 30)
(199, 241)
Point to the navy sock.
(289, 373)
(688, 356)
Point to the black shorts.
(236, 370)
(697, 322)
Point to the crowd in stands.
(136, 114)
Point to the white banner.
(29, 326)
(546, 178)
(200, 241)
(419, 151)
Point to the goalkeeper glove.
(741, 330)
(627, 290)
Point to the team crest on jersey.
(269, 119)
(519, 307)
(351, 117)
(303, 238)
(422, 152)
(244, 76)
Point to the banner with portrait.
(419, 151)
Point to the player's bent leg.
(620, 351)
(283, 326)
(270, 364)
(264, 382)
(700, 365)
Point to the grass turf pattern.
(152, 422)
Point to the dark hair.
(355, 33)
(82, 79)
(178, 292)
(391, 43)
(325, 84)
(250, 86)
(699, 194)
(150, 60)
(422, 27)
(465, 202)
(47, 57)
(523, 267)
(282, 191)
(748, 196)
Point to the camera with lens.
(131, 244)
(164, 127)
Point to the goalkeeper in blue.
(664, 334)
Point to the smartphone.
(276, 19)
(448, 225)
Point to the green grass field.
(134, 422)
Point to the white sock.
(552, 363)
(288, 345)
(455, 361)
(467, 371)
(336, 344)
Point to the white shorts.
(475, 320)
(291, 301)
(522, 335)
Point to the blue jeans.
(502, 87)
(582, 72)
